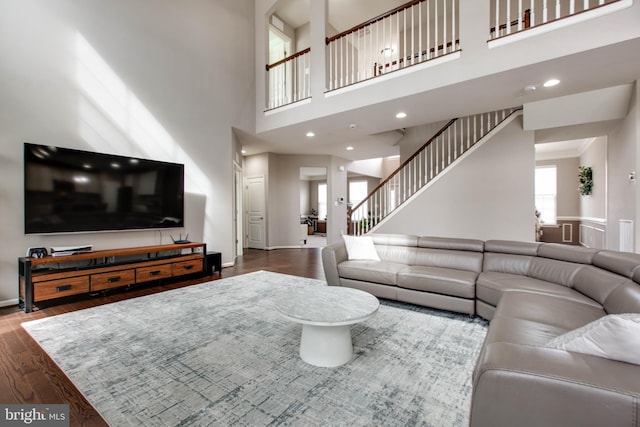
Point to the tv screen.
(68, 190)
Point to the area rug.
(219, 354)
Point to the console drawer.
(187, 267)
(112, 279)
(154, 272)
(51, 289)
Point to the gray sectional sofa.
(537, 296)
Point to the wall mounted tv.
(68, 190)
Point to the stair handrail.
(399, 168)
(373, 221)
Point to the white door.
(238, 211)
(256, 212)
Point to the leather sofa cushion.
(394, 239)
(597, 283)
(533, 309)
(397, 254)
(512, 247)
(507, 263)
(451, 243)
(576, 254)
(491, 286)
(624, 299)
(624, 264)
(550, 270)
(438, 280)
(371, 271)
(458, 260)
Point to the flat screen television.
(67, 190)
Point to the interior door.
(256, 212)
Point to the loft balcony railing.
(445, 147)
(289, 80)
(416, 32)
(413, 33)
(512, 16)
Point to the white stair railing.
(415, 32)
(511, 16)
(437, 154)
(288, 80)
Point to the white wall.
(487, 195)
(594, 205)
(567, 202)
(623, 158)
(150, 78)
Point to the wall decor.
(585, 176)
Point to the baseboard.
(7, 303)
(270, 248)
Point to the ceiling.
(374, 131)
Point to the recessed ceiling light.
(401, 115)
(243, 151)
(551, 82)
(349, 148)
(530, 88)
(310, 134)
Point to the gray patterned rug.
(219, 354)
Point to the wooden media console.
(51, 277)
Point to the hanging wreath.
(585, 176)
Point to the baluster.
(435, 41)
(420, 58)
(497, 26)
(520, 15)
(444, 27)
(508, 20)
(544, 11)
(404, 39)
(427, 9)
(450, 144)
(398, 33)
(453, 25)
(347, 66)
(532, 15)
(413, 34)
(558, 9)
(572, 7)
(333, 65)
(455, 140)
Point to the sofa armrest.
(333, 255)
(524, 385)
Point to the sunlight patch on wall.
(113, 119)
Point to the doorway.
(313, 206)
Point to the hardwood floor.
(28, 375)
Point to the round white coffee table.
(326, 314)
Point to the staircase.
(447, 146)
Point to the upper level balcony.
(441, 58)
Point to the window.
(357, 193)
(546, 190)
(322, 201)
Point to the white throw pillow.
(616, 337)
(361, 248)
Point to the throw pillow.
(616, 337)
(361, 248)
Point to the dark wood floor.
(28, 375)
